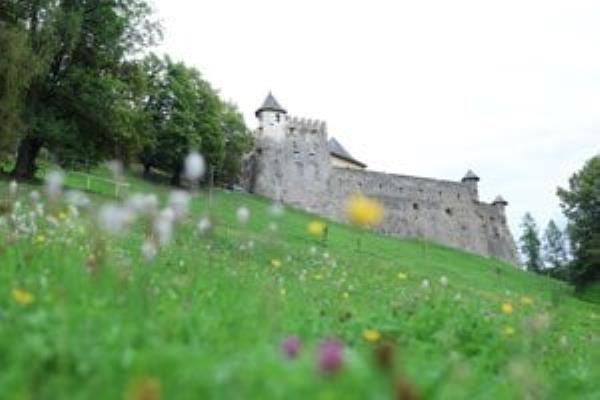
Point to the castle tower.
(271, 118)
(472, 181)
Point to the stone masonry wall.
(291, 163)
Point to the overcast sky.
(510, 89)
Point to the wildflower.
(276, 209)
(243, 215)
(34, 195)
(508, 331)
(22, 296)
(54, 183)
(13, 188)
(425, 284)
(145, 388)
(346, 295)
(316, 228)
(313, 250)
(204, 225)
(149, 250)
(290, 347)
(163, 226)
(402, 276)
(318, 277)
(194, 166)
(526, 300)
(563, 341)
(113, 218)
(77, 199)
(273, 227)
(444, 281)
(371, 335)
(62, 216)
(179, 202)
(116, 169)
(140, 203)
(283, 292)
(507, 308)
(330, 356)
(364, 211)
(275, 263)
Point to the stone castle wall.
(291, 163)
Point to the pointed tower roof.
(337, 150)
(270, 104)
(470, 176)
(499, 200)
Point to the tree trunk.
(147, 170)
(25, 167)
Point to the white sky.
(510, 89)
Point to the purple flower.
(331, 356)
(290, 347)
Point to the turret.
(499, 202)
(271, 116)
(472, 182)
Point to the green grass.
(205, 319)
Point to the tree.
(555, 246)
(185, 114)
(530, 244)
(238, 142)
(581, 205)
(80, 105)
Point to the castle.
(295, 163)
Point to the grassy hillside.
(84, 315)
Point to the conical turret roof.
(470, 176)
(500, 200)
(270, 104)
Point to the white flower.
(204, 225)
(34, 196)
(116, 169)
(77, 199)
(194, 166)
(13, 188)
(564, 341)
(444, 281)
(140, 203)
(149, 250)
(273, 227)
(163, 226)
(243, 214)
(54, 183)
(276, 209)
(313, 250)
(114, 218)
(179, 202)
(250, 244)
(425, 284)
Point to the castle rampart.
(291, 163)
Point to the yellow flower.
(402, 276)
(275, 263)
(316, 228)
(371, 335)
(508, 331)
(364, 211)
(40, 239)
(526, 300)
(22, 296)
(62, 216)
(507, 308)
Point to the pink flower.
(331, 356)
(290, 347)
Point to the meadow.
(247, 300)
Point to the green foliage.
(186, 114)
(530, 244)
(82, 105)
(554, 246)
(205, 319)
(581, 205)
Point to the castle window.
(449, 211)
(415, 206)
(277, 117)
(458, 196)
